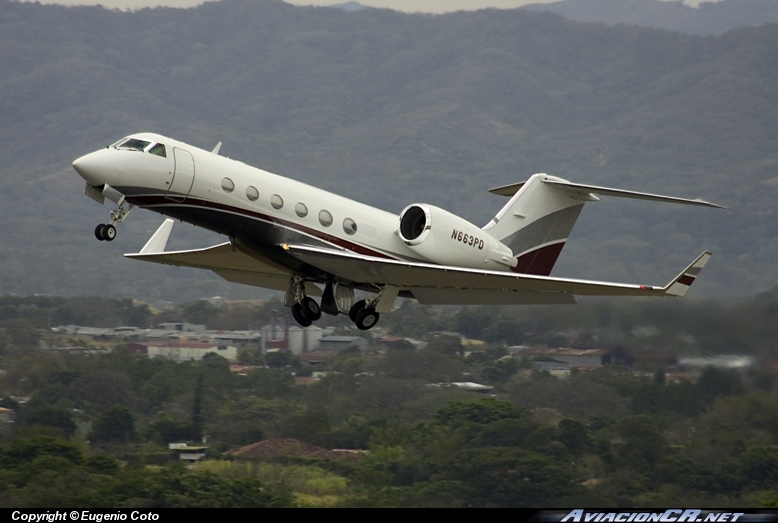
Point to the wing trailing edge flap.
(440, 296)
(226, 261)
(443, 284)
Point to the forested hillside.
(390, 109)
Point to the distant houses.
(561, 358)
(339, 343)
(183, 341)
(183, 350)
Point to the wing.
(436, 284)
(428, 283)
(224, 259)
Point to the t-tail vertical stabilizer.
(542, 211)
(536, 222)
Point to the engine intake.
(441, 237)
(414, 221)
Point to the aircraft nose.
(94, 167)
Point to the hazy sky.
(426, 6)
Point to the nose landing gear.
(107, 231)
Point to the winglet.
(683, 281)
(158, 241)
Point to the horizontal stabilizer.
(585, 190)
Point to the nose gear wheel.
(105, 232)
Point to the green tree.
(268, 383)
(169, 430)
(251, 356)
(574, 436)
(504, 477)
(116, 424)
(24, 451)
(50, 417)
(714, 382)
(643, 444)
(312, 426)
(446, 344)
(197, 409)
(279, 359)
(200, 312)
(176, 488)
(481, 411)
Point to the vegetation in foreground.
(92, 430)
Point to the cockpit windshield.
(134, 143)
(159, 150)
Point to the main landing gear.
(363, 315)
(306, 311)
(107, 231)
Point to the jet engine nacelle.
(446, 239)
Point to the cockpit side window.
(159, 150)
(134, 143)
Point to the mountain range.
(707, 19)
(391, 109)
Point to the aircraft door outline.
(183, 175)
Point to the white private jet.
(289, 236)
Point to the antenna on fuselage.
(216, 149)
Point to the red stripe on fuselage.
(158, 201)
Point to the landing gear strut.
(107, 231)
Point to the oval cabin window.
(276, 201)
(228, 185)
(349, 226)
(301, 210)
(325, 218)
(252, 193)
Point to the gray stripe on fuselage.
(550, 228)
